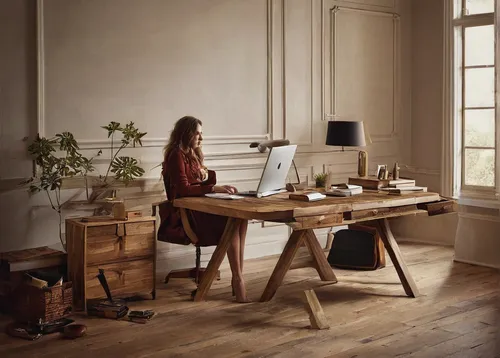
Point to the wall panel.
(250, 69)
(154, 61)
(298, 60)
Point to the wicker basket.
(42, 305)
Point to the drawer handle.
(375, 211)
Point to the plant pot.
(320, 183)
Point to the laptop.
(273, 178)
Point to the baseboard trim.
(471, 262)
(427, 242)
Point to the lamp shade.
(346, 134)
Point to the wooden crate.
(14, 264)
(125, 250)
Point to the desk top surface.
(280, 208)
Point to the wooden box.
(14, 264)
(124, 249)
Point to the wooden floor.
(456, 316)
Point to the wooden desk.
(371, 207)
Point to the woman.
(185, 175)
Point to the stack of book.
(344, 190)
(143, 316)
(107, 309)
(403, 186)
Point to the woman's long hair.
(181, 137)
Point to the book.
(307, 196)
(344, 190)
(402, 182)
(405, 190)
(369, 182)
(107, 309)
(42, 279)
(141, 316)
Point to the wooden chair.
(195, 273)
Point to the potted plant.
(124, 168)
(50, 169)
(320, 179)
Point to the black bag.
(357, 249)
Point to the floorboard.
(368, 311)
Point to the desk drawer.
(120, 242)
(439, 207)
(125, 279)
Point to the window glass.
(479, 87)
(473, 7)
(479, 45)
(479, 128)
(479, 167)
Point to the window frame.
(453, 173)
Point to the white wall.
(427, 25)
(250, 69)
(474, 230)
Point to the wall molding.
(391, 3)
(448, 143)
(333, 70)
(310, 140)
(426, 242)
(40, 36)
(476, 263)
(480, 217)
(420, 170)
(160, 142)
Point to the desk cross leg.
(285, 261)
(392, 248)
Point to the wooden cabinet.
(125, 250)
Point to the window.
(473, 7)
(475, 106)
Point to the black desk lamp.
(349, 134)
(262, 147)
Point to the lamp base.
(362, 163)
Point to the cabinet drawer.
(139, 228)
(120, 229)
(125, 279)
(120, 244)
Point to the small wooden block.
(316, 314)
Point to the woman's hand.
(220, 189)
(228, 189)
(232, 189)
